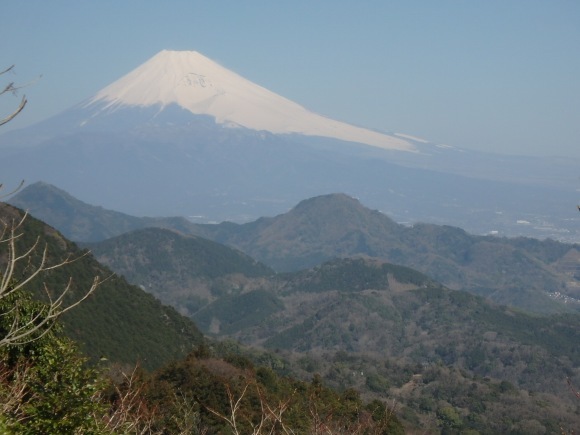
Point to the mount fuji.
(197, 84)
(182, 135)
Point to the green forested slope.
(186, 272)
(119, 321)
(518, 272)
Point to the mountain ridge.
(522, 272)
(517, 272)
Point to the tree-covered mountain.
(118, 321)
(518, 272)
(186, 272)
(541, 276)
(366, 306)
(392, 332)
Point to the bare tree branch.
(275, 413)
(23, 330)
(13, 382)
(16, 112)
(234, 408)
(12, 192)
(10, 68)
(130, 413)
(10, 87)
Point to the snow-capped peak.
(200, 85)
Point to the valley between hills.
(462, 333)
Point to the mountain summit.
(203, 87)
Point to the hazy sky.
(501, 76)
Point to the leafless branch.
(130, 413)
(13, 89)
(13, 115)
(22, 330)
(271, 417)
(319, 425)
(571, 387)
(12, 192)
(13, 389)
(10, 68)
(274, 413)
(234, 408)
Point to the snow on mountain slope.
(200, 85)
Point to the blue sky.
(499, 76)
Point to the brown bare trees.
(12, 88)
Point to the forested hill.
(186, 272)
(390, 331)
(518, 272)
(521, 272)
(119, 321)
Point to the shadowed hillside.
(186, 272)
(119, 321)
